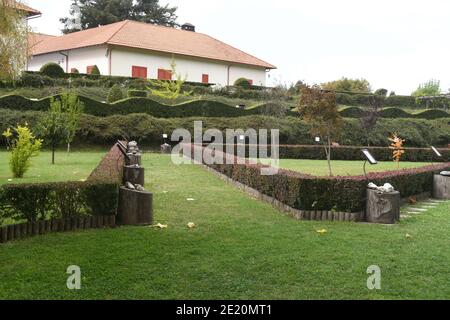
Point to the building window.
(205, 78)
(139, 72)
(89, 69)
(164, 74)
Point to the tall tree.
(13, 40)
(86, 14)
(320, 110)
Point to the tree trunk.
(68, 148)
(53, 153)
(328, 153)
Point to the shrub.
(306, 192)
(23, 147)
(243, 83)
(137, 93)
(42, 201)
(381, 92)
(115, 94)
(400, 101)
(395, 113)
(75, 71)
(95, 71)
(52, 70)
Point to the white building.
(141, 50)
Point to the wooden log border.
(30, 229)
(316, 215)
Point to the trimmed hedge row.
(354, 153)
(196, 108)
(392, 113)
(394, 101)
(348, 194)
(98, 196)
(148, 130)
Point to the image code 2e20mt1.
(246, 309)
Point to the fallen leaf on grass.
(161, 226)
(190, 199)
(408, 236)
(191, 225)
(322, 231)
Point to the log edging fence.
(30, 229)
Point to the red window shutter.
(205, 78)
(139, 72)
(89, 69)
(164, 74)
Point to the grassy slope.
(242, 248)
(76, 166)
(343, 168)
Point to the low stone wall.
(292, 212)
(30, 229)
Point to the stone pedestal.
(133, 159)
(382, 207)
(135, 207)
(441, 187)
(133, 174)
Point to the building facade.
(140, 50)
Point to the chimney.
(188, 27)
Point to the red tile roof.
(30, 11)
(145, 36)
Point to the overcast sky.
(393, 44)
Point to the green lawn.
(241, 249)
(73, 167)
(343, 168)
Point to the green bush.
(400, 101)
(75, 71)
(352, 112)
(381, 92)
(95, 71)
(354, 153)
(24, 146)
(395, 113)
(432, 114)
(148, 129)
(52, 70)
(132, 93)
(243, 83)
(41, 201)
(115, 94)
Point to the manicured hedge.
(348, 194)
(41, 201)
(98, 196)
(354, 153)
(196, 108)
(148, 130)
